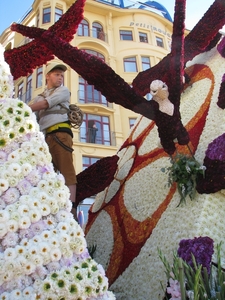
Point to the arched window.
(83, 28)
(97, 31)
(95, 53)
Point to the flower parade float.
(139, 213)
(43, 251)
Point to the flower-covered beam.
(23, 60)
(105, 168)
(202, 36)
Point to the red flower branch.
(24, 59)
(88, 184)
(203, 36)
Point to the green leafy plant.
(184, 170)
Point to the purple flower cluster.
(216, 148)
(201, 248)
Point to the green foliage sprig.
(184, 170)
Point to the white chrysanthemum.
(15, 156)
(5, 296)
(20, 250)
(24, 222)
(34, 192)
(42, 185)
(54, 208)
(10, 253)
(12, 225)
(28, 293)
(62, 216)
(13, 182)
(55, 254)
(14, 215)
(37, 260)
(44, 248)
(63, 226)
(51, 222)
(26, 169)
(54, 242)
(29, 267)
(16, 295)
(4, 184)
(78, 245)
(34, 204)
(45, 235)
(64, 238)
(23, 210)
(36, 240)
(35, 215)
(45, 210)
(4, 216)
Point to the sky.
(14, 10)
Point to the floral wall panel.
(138, 212)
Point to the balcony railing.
(106, 138)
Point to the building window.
(58, 13)
(130, 64)
(85, 205)
(88, 94)
(159, 42)
(126, 35)
(143, 37)
(83, 28)
(46, 15)
(145, 61)
(28, 89)
(100, 136)
(87, 161)
(39, 77)
(95, 53)
(97, 31)
(132, 121)
(20, 91)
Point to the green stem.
(181, 279)
(190, 150)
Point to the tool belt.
(57, 126)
